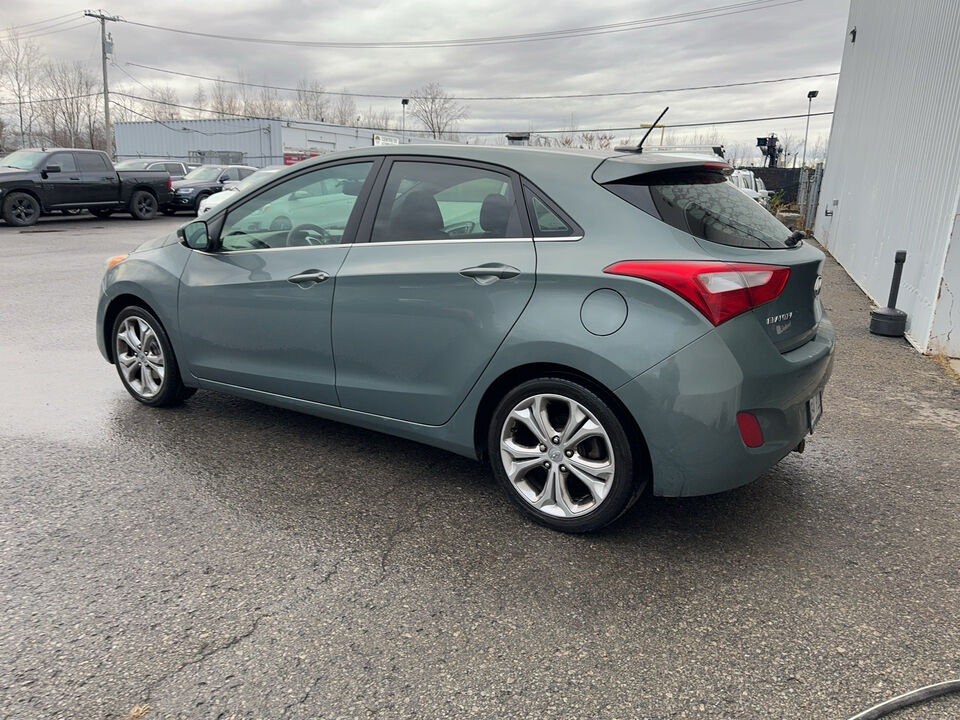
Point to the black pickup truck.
(38, 181)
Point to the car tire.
(100, 212)
(574, 469)
(21, 209)
(199, 199)
(143, 205)
(145, 360)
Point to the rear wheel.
(562, 455)
(143, 205)
(145, 361)
(21, 209)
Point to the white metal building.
(246, 141)
(892, 176)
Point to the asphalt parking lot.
(230, 560)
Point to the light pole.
(810, 96)
(403, 123)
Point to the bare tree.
(223, 100)
(21, 61)
(166, 106)
(344, 111)
(381, 119)
(199, 102)
(309, 103)
(790, 146)
(65, 112)
(437, 110)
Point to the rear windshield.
(133, 165)
(705, 205)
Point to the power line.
(47, 31)
(43, 22)
(659, 21)
(484, 132)
(619, 93)
(52, 99)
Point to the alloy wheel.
(140, 356)
(557, 455)
(23, 210)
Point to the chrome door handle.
(490, 272)
(308, 277)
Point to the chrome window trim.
(443, 241)
(438, 241)
(260, 250)
(561, 238)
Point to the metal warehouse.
(892, 178)
(246, 141)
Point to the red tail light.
(169, 183)
(719, 290)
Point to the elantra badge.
(779, 318)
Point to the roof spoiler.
(623, 166)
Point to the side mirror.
(52, 169)
(222, 179)
(194, 235)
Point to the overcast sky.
(800, 38)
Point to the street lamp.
(810, 96)
(403, 123)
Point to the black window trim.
(215, 223)
(365, 231)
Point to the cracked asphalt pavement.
(231, 560)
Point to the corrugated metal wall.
(893, 163)
(260, 141)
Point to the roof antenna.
(650, 129)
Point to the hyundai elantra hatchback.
(590, 324)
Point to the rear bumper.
(686, 406)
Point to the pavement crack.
(205, 655)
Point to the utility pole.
(107, 127)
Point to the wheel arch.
(26, 191)
(110, 316)
(533, 371)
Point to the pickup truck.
(38, 181)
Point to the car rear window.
(704, 204)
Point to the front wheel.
(143, 205)
(562, 455)
(21, 209)
(145, 360)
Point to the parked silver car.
(589, 323)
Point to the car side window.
(547, 219)
(64, 160)
(435, 200)
(91, 162)
(172, 168)
(244, 172)
(309, 209)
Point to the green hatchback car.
(590, 324)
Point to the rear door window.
(436, 200)
(91, 162)
(702, 203)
